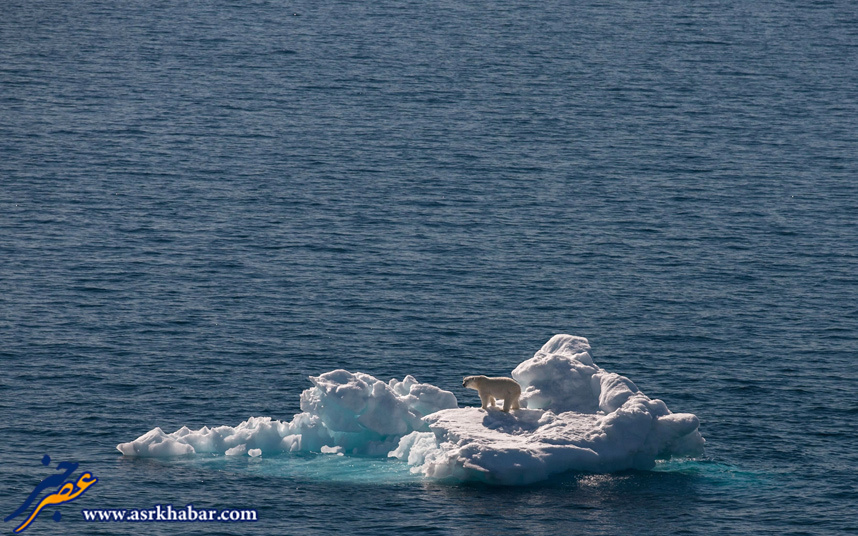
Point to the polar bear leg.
(487, 400)
(511, 402)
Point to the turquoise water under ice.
(203, 203)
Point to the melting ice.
(575, 416)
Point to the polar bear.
(491, 388)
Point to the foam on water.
(574, 417)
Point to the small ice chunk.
(238, 450)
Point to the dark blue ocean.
(202, 203)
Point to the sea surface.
(204, 202)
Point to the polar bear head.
(471, 382)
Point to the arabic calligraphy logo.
(66, 491)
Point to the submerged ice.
(575, 416)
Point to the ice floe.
(575, 416)
(578, 417)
